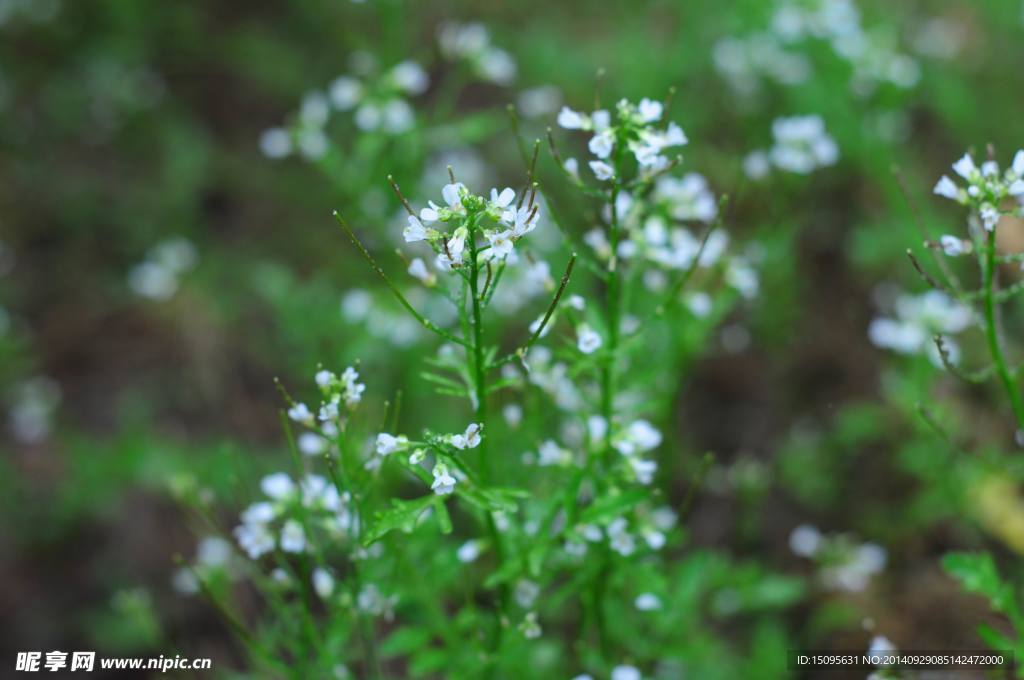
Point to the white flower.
(576, 302)
(965, 167)
(587, 339)
(602, 170)
(314, 110)
(801, 144)
(602, 144)
(345, 92)
(947, 188)
(468, 551)
(275, 143)
(640, 436)
(572, 167)
(255, 539)
(756, 164)
(469, 439)
(550, 453)
(258, 513)
(397, 116)
(625, 672)
(503, 200)
(620, 539)
(501, 243)
(989, 216)
(674, 136)
(324, 378)
(388, 444)
(418, 270)
(513, 414)
(881, 646)
(277, 486)
(953, 246)
(293, 538)
(311, 444)
(452, 194)
(647, 602)
(571, 120)
(323, 582)
(444, 483)
(300, 413)
(415, 231)
(456, 246)
(643, 469)
(650, 110)
(526, 593)
(805, 540)
(523, 221)
(410, 77)
(530, 627)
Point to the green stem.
(992, 330)
(480, 385)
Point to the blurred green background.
(131, 135)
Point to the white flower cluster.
(336, 391)
(385, 321)
(844, 564)
(917, 319)
(158, 276)
(378, 103)
(650, 234)
(801, 145)
(650, 526)
(634, 127)
(553, 377)
(986, 190)
(508, 222)
(472, 43)
(271, 523)
(444, 481)
(774, 54)
(637, 438)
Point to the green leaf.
(610, 507)
(402, 515)
(977, 573)
(405, 641)
(444, 520)
(994, 639)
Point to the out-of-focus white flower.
(311, 444)
(647, 602)
(953, 246)
(805, 540)
(624, 672)
(539, 101)
(158, 276)
(587, 339)
(277, 486)
(526, 593)
(602, 170)
(469, 551)
(801, 144)
(293, 538)
(323, 582)
(275, 143)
